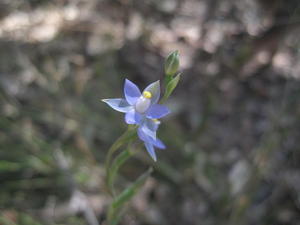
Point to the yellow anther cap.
(147, 94)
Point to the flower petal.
(159, 144)
(150, 150)
(154, 89)
(157, 111)
(149, 128)
(156, 142)
(143, 136)
(118, 104)
(131, 92)
(133, 117)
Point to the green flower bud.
(172, 63)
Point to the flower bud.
(172, 63)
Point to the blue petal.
(133, 117)
(131, 92)
(143, 136)
(150, 150)
(118, 104)
(157, 111)
(154, 89)
(156, 142)
(149, 128)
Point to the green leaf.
(125, 196)
(171, 85)
(129, 192)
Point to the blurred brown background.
(233, 137)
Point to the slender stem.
(126, 136)
(120, 159)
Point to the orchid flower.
(142, 109)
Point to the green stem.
(117, 163)
(123, 139)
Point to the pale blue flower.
(142, 109)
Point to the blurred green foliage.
(233, 135)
